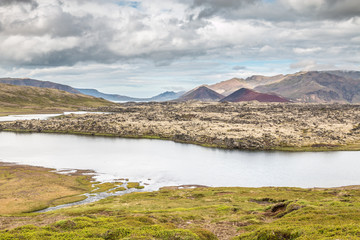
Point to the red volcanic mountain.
(245, 94)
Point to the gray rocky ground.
(262, 126)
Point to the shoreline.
(222, 213)
(95, 190)
(245, 126)
(219, 212)
(318, 148)
(28, 188)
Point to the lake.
(165, 163)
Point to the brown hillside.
(23, 99)
(316, 87)
(201, 93)
(229, 86)
(37, 83)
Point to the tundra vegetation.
(195, 213)
(200, 213)
(26, 100)
(250, 125)
(27, 188)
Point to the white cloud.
(311, 65)
(306, 50)
(60, 37)
(162, 31)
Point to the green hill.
(24, 99)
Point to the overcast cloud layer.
(148, 46)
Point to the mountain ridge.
(334, 86)
(245, 94)
(27, 99)
(38, 83)
(316, 87)
(164, 96)
(202, 93)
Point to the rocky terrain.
(255, 126)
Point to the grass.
(103, 187)
(29, 100)
(202, 213)
(134, 185)
(27, 188)
(67, 199)
(320, 148)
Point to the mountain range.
(37, 83)
(229, 86)
(165, 96)
(307, 86)
(316, 87)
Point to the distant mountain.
(26, 99)
(165, 96)
(317, 87)
(245, 94)
(312, 86)
(346, 74)
(257, 80)
(201, 93)
(229, 86)
(110, 97)
(37, 83)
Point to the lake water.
(165, 163)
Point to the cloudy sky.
(144, 47)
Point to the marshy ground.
(254, 126)
(195, 213)
(26, 188)
(200, 213)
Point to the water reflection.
(167, 163)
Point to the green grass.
(103, 187)
(28, 100)
(319, 148)
(27, 188)
(204, 213)
(134, 185)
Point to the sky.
(145, 47)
